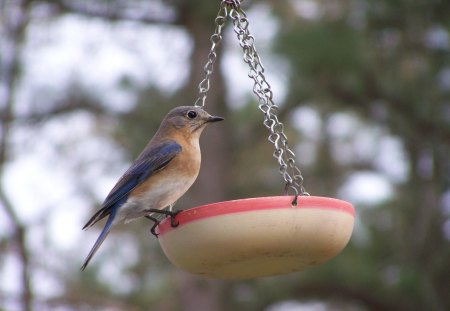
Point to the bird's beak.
(214, 119)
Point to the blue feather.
(151, 160)
(101, 237)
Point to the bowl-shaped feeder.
(261, 236)
(257, 237)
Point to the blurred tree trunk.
(14, 18)
(199, 293)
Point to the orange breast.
(184, 169)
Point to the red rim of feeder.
(254, 204)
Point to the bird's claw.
(173, 222)
(153, 229)
(172, 216)
(155, 224)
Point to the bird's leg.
(159, 211)
(153, 228)
(168, 213)
(171, 206)
(151, 218)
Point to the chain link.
(215, 39)
(262, 89)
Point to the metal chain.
(215, 39)
(285, 156)
(262, 89)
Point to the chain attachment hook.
(236, 4)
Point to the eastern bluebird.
(161, 174)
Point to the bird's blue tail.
(100, 238)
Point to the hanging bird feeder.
(259, 236)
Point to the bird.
(160, 175)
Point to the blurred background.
(364, 91)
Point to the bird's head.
(190, 120)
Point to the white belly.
(161, 195)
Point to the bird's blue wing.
(150, 161)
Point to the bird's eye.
(192, 114)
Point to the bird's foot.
(173, 222)
(172, 216)
(170, 208)
(155, 224)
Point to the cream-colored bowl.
(257, 237)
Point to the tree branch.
(66, 108)
(19, 238)
(399, 106)
(92, 9)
